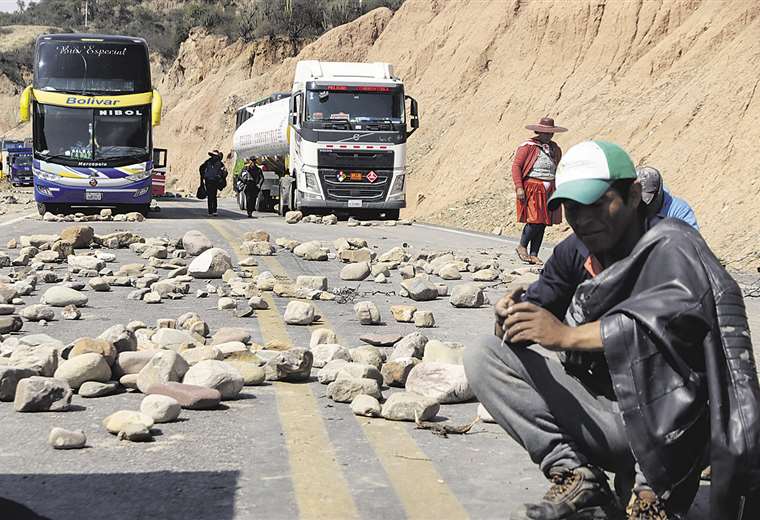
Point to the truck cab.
(20, 167)
(348, 132)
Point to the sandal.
(522, 254)
(535, 260)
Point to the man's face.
(543, 137)
(601, 225)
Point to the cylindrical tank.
(265, 133)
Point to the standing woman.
(533, 172)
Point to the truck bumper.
(316, 204)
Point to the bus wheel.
(42, 208)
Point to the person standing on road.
(533, 171)
(214, 178)
(658, 201)
(656, 375)
(252, 177)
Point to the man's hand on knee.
(500, 310)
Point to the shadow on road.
(164, 495)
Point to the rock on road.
(280, 450)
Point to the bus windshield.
(91, 134)
(327, 105)
(88, 67)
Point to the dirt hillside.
(672, 81)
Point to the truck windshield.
(328, 105)
(91, 134)
(22, 161)
(92, 67)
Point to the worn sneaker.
(580, 494)
(645, 505)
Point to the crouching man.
(656, 378)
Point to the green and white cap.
(588, 169)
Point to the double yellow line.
(320, 486)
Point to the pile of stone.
(430, 372)
(176, 364)
(105, 215)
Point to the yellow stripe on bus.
(76, 101)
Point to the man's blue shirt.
(675, 207)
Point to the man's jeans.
(559, 422)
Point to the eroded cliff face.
(674, 82)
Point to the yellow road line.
(413, 476)
(320, 487)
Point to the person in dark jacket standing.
(653, 326)
(251, 177)
(214, 178)
(533, 171)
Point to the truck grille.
(356, 160)
(342, 191)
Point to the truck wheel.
(392, 214)
(281, 207)
(262, 202)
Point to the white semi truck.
(337, 141)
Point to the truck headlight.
(311, 182)
(398, 185)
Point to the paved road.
(282, 450)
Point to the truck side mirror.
(414, 116)
(294, 109)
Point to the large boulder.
(165, 366)
(420, 289)
(344, 390)
(355, 272)
(121, 337)
(404, 406)
(467, 296)
(42, 394)
(37, 312)
(160, 408)
(10, 324)
(9, 379)
(217, 375)
(86, 262)
(212, 263)
(196, 242)
(443, 352)
(41, 359)
(411, 345)
(80, 237)
(190, 397)
(326, 352)
(312, 250)
(85, 367)
(367, 313)
(119, 421)
(299, 313)
(291, 365)
(59, 296)
(442, 382)
(396, 372)
(100, 346)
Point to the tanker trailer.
(261, 131)
(337, 141)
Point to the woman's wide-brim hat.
(546, 126)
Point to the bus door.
(158, 185)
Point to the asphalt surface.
(281, 450)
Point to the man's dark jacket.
(677, 343)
